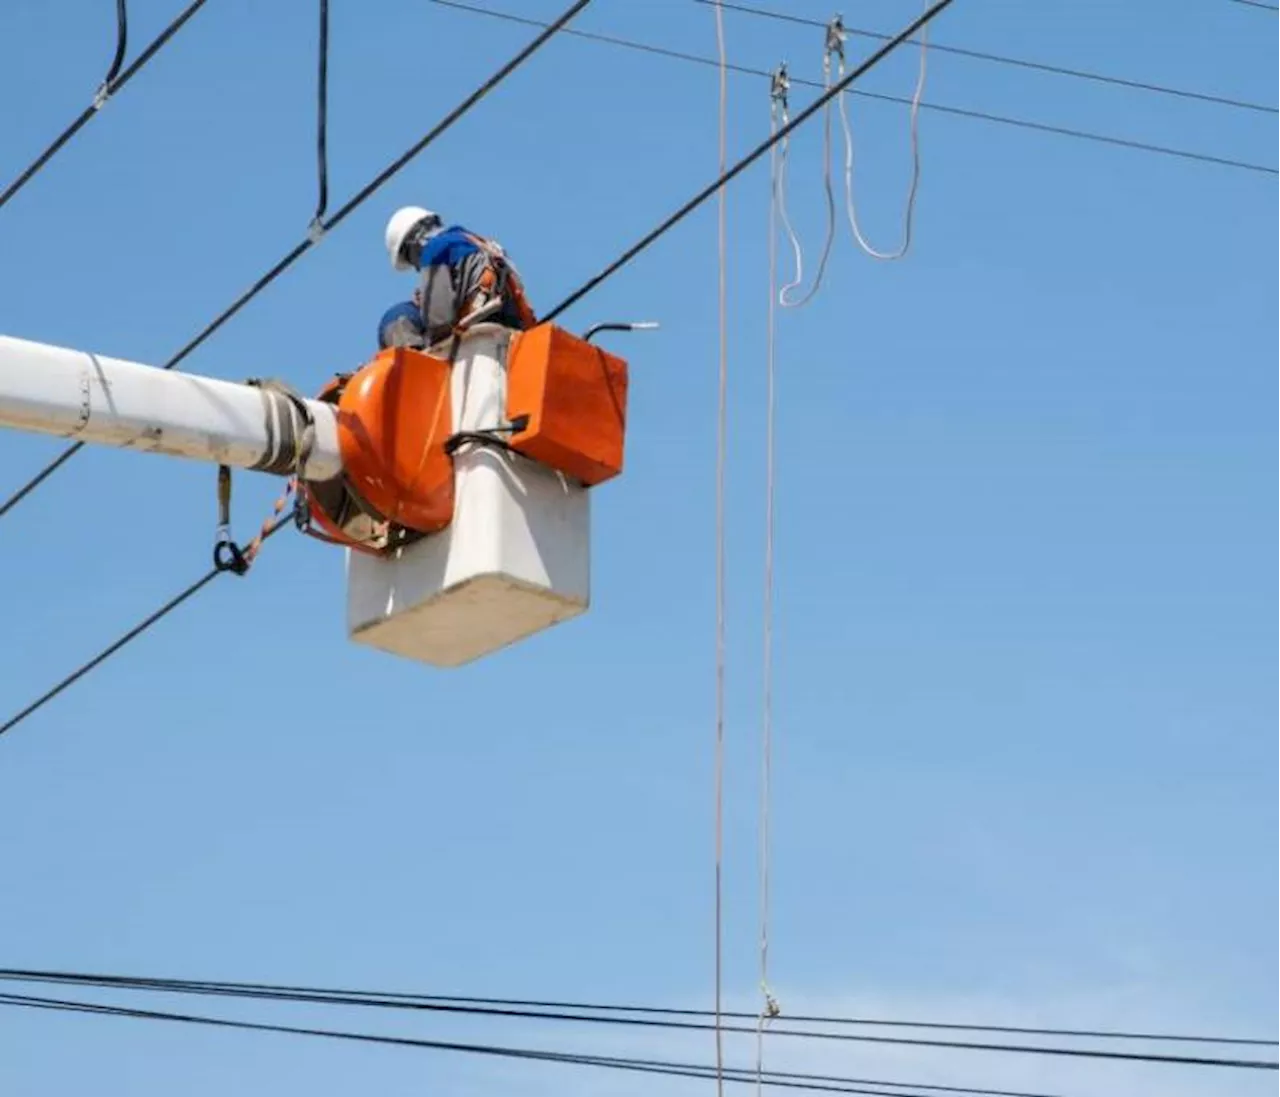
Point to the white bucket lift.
(457, 483)
(514, 560)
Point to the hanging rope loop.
(850, 204)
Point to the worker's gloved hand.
(401, 326)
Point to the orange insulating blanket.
(575, 397)
(394, 416)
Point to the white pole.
(74, 394)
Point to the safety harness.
(500, 280)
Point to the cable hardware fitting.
(836, 35)
(780, 86)
(617, 325)
(771, 1007)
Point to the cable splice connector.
(836, 35)
(780, 86)
(771, 1007)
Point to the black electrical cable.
(323, 998)
(1016, 62)
(397, 999)
(305, 245)
(939, 108)
(740, 166)
(352, 203)
(1257, 4)
(745, 1075)
(773, 1079)
(110, 87)
(132, 634)
(122, 43)
(111, 649)
(322, 117)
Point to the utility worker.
(464, 276)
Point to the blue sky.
(1025, 741)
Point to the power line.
(741, 1073)
(128, 637)
(110, 87)
(188, 592)
(778, 1079)
(394, 997)
(939, 108)
(122, 43)
(313, 237)
(1257, 4)
(1019, 62)
(560, 1011)
(741, 165)
(322, 121)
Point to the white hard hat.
(398, 228)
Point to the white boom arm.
(106, 401)
(514, 560)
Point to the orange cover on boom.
(393, 418)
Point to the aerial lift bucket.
(464, 497)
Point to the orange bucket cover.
(575, 397)
(394, 417)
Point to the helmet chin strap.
(417, 236)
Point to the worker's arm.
(401, 326)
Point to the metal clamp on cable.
(610, 325)
(771, 1007)
(780, 86)
(227, 555)
(301, 508)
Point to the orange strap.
(489, 279)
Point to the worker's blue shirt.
(448, 247)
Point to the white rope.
(849, 203)
(721, 447)
(785, 298)
(769, 1007)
